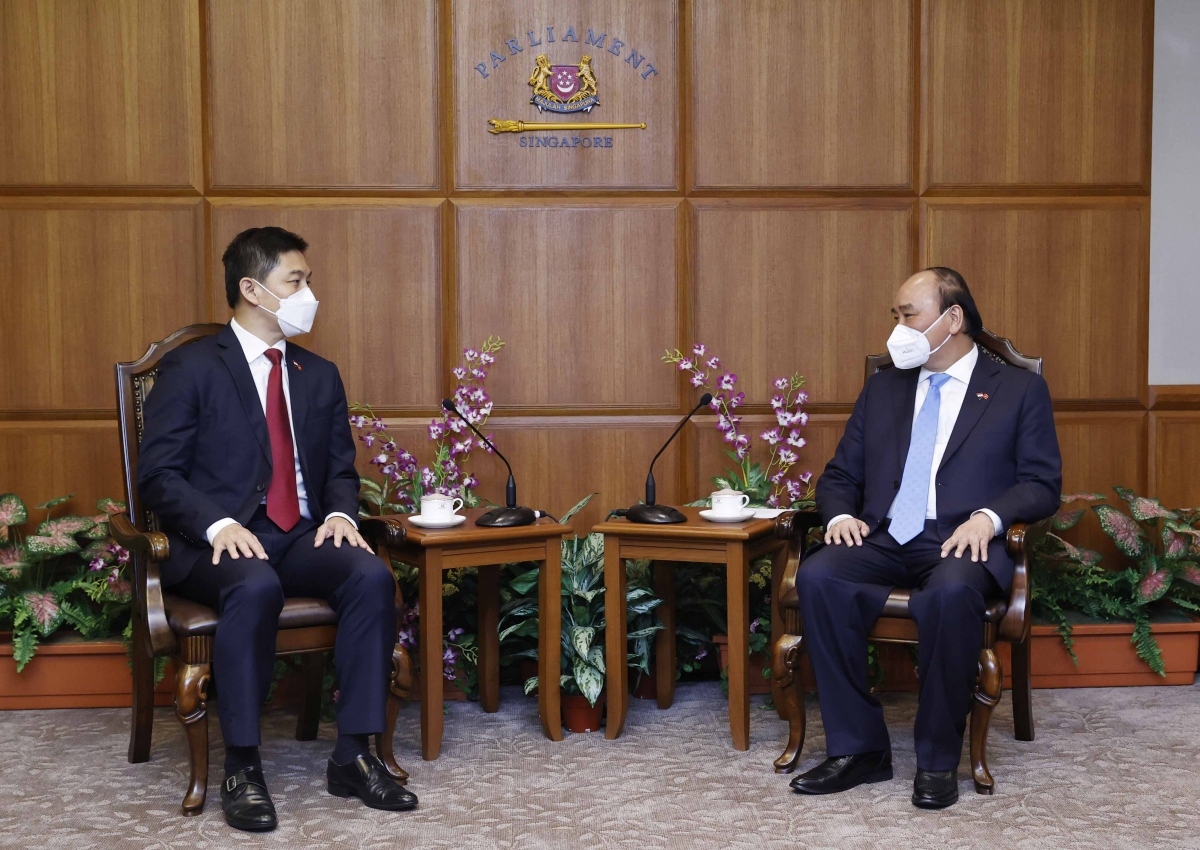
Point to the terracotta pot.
(579, 715)
(1106, 657)
(527, 669)
(755, 664)
(70, 672)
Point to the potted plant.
(65, 598)
(583, 662)
(1131, 623)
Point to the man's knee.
(370, 577)
(259, 589)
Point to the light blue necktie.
(909, 518)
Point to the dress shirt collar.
(960, 370)
(252, 346)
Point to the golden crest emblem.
(564, 88)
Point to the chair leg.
(1022, 689)
(312, 669)
(786, 671)
(402, 680)
(142, 714)
(191, 707)
(987, 696)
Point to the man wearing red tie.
(248, 461)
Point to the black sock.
(350, 747)
(240, 758)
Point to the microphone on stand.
(511, 514)
(662, 514)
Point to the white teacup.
(438, 507)
(729, 502)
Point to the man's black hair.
(953, 290)
(255, 253)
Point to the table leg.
(616, 642)
(664, 640)
(430, 627)
(778, 564)
(738, 619)
(489, 637)
(550, 640)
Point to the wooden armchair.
(168, 625)
(1005, 619)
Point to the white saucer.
(713, 516)
(422, 522)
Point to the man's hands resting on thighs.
(239, 541)
(340, 529)
(849, 531)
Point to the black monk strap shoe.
(845, 772)
(366, 779)
(935, 789)
(245, 801)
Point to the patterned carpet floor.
(1111, 768)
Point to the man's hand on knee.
(237, 540)
(340, 529)
(849, 531)
(974, 534)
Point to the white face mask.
(296, 312)
(909, 347)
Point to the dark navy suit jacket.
(205, 454)
(1002, 455)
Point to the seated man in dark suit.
(248, 461)
(941, 454)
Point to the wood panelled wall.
(801, 158)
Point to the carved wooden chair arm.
(384, 530)
(149, 548)
(1020, 540)
(793, 526)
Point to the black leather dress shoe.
(845, 772)
(935, 789)
(246, 803)
(366, 779)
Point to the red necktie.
(283, 505)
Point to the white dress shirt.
(953, 392)
(255, 350)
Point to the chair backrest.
(996, 347)
(134, 381)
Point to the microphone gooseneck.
(511, 514)
(650, 512)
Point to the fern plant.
(68, 574)
(1162, 571)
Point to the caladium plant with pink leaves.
(67, 573)
(1161, 548)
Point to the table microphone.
(662, 514)
(511, 514)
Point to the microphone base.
(506, 517)
(655, 514)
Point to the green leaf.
(54, 503)
(24, 646)
(1125, 533)
(50, 546)
(525, 582)
(595, 657)
(1143, 508)
(525, 628)
(1068, 519)
(576, 508)
(530, 684)
(64, 526)
(646, 632)
(110, 506)
(12, 510)
(589, 680)
(581, 639)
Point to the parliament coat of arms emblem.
(564, 88)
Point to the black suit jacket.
(205, 453)
(1002, 455)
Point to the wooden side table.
(469, 545)
(733, 544)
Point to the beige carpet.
(1109, 769)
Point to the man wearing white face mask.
(248, 461)
(941, 454)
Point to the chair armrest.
(384, 530)
(1020, 541)
(793, 526)
(790, 523)
(149, 548)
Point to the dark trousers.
(248, 595)
(842, 590)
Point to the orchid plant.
(1163, 570)
(774, 486)
(68, 573)
(402, 480)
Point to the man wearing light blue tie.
(941, 454)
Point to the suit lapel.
(905, 399)
(980, 391)
(298, 393)
(239, 370)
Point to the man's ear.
(958, 320)
(249, 290)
